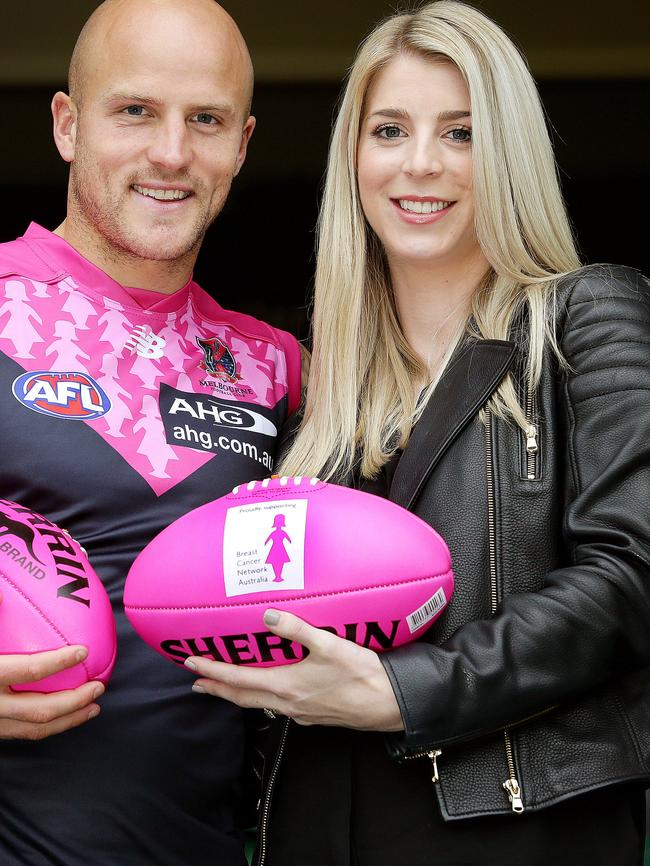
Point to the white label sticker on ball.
(264, 547)
(427, 612)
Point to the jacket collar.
(472, 376)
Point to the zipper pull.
(514, 795)
(531, 439)
(434, 754)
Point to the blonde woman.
(468, 368)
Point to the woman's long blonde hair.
(360, 403)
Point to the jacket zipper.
(511, 785)
(269, 793)
(433, 755)
(532, 444)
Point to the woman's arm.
(589, 623)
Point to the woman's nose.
(422, 157)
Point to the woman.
(467, 367)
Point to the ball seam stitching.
(288, 599)
(54, 627)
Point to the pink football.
(355, 564)
(51, 598)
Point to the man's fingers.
(34, 716)
(28, 668)
(14, 730)
(42, 709)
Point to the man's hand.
(34, 716)
(339, 683)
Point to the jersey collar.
(63, 259)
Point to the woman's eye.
(461, 134)
(134, 110)
(388, 132)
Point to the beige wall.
(304, 40)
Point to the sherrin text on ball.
(51, 598)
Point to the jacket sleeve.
(590, 622)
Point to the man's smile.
(160, 194)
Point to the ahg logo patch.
(221, 413)
(204, 423)
(75, 396)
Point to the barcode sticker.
(427, 612)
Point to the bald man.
(155, 127)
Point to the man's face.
(161, 131)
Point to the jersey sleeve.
(292, 353)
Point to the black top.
(380, 486)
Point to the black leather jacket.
(536, 677)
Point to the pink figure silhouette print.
(278, 556)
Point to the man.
(102, 314)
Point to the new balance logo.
(145, 343)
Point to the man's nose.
(170, 145)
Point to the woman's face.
(414, 162)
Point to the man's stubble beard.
(101, 221)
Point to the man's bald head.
(115, 21)
(156, 127)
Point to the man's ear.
(64, 113)
(247, 131)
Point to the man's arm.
(33, 715)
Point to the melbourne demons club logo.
(218, 359)
(75, 396)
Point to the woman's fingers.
(339, 683)
(247, 698)
(289, 626)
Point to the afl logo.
(65, 395)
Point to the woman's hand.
(339, 683)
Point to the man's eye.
(134, 110)
(204, 117)
(388, 131)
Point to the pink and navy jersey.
(122, 409)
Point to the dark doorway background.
(258, 256)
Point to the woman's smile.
(421, 210)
